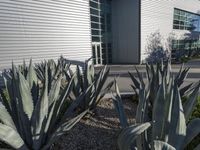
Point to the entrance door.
(97, 53)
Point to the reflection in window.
(101, 26)
(184, 20)
(186, 44)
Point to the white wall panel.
(44, 29)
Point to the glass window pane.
(95, 39)
(186, 21)
(176, 22)
(95, 25)
(94, 19)
(176, 11)
(95, 32)
(175, 27)
(93, 4)
(96, 1)
(94, 11)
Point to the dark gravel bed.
(100, 131)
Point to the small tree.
(155, 49)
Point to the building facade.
(44, 29)
(178, 19)
(110, 31)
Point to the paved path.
(121, 73)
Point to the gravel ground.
(100, 131)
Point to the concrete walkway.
(121, 73)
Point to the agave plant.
(154, 75)
(31, 118)
(54, 70)
(168, 127)
(86, 81)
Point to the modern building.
(178, 19)
(110, 31)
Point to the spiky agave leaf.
(76, 103)
(31, 75)
(37, 123)
(40, 113)
(63, 128)
(21, 104)
(185, 89)
(140, 77)
(159, 113)
(11, 102)
(135, 81)
(11, 137)
(119, 107)
(63, 96)
(25, 94)
(197, 147)
(99, 91)
(177, 130)
(87, 78)
(55, 90)
(5, 117)
(129, 135)
(54, 70)
(159, 145)
(168, 110)
(182, 74)
(53, 99)
(148, 72)
(5, 96)
(142, 106)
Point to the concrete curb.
(123, 95)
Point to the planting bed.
(100, 131)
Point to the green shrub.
(184, 59)
(196, 114)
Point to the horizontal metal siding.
(158, 15)
(44, 29)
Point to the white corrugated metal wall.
(44, 29)
(158, 15)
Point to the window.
(184, 20)
(93, 4)
(95, 32)
(185, 44)
(95, 39)
(101, 26)
(95, 26)
(94, 11)
(94, 19)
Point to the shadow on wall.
(158, 50)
